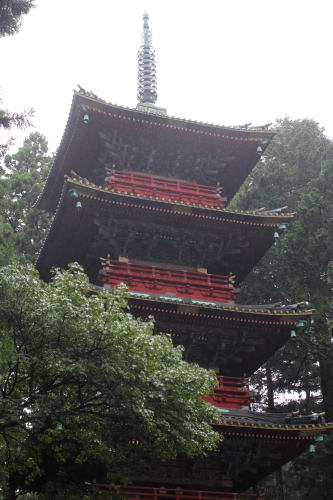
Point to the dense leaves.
(297, 171)
(86, 388)
(21, 120)
(6, 244)
(11, 12)
(23, 178)
(9, 119)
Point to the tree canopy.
(86, 388)
(9, 119)
(11, 12)
(23, 177)
(297, 170)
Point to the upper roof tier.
(101, 135)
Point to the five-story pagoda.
(141, 198)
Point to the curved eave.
(288, 431)
(252, 453)
(72, 233)
(216, 321)
(230, 315)
(205, 128)
(260, 218)
(287, 442)
(234, 132)
(80, 145)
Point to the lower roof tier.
(231, 339)
(91, 222)
(252, 448)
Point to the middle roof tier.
(92, 222)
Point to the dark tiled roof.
(198, 223)
(225, 154)
(271, 420)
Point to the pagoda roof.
(235, 339)
(305, 425)
(249, 452)
(231, 241)
(160, 145)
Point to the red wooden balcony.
(164, 189)
(168, 282)
(231, 392)
(164, 493)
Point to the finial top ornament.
(147, 81)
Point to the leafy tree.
(296, 156)
(8, 120)
(297, 171)
(6, 244)
(20, 120)
(23, 178)
(86, 388)
(11, 12)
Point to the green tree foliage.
(8, 120)
(11, 12)
(23, 178)
(86, 388)
(297, 171)
(20, 120)
(6, 243)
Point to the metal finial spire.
(147, 82)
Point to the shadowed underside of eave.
(153, 231)
(231, 339)
(247, 454)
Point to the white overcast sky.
(224, 62)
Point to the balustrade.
(231, 392)
(164, 493)
(164, 189)
(167, 282)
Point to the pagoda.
(140, 198)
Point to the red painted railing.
(231, 392)
(164, 493)
(164, 189)
(168, 282)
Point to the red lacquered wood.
(164, 189)
(164, 493)
(168, 282)
(231, 392)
